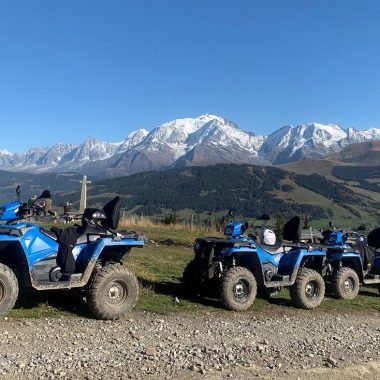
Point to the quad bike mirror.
(18, 191)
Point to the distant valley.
(246, 189)
(207, 166)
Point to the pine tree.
(306, 223)
(280, 221)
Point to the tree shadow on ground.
(67, 301)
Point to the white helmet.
(267, 237)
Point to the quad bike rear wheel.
(237, 289)
(8, 289)
(196, 286)
(113, 292)
(309, 289)
(345, 283)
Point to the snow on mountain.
(182, 135)
(204, 140)
(355, 136)
(132, 140)
(174, 134)
(174, 143)
(90, 150)
(5, 157)
(306, 140)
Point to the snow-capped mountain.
(133, 139)
(307, 140)
(205, 140)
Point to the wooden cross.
(83, 194)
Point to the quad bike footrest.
(75, 279)
(371, 279)
(279, 277)
(371, 276)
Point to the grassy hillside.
(35, 183)
(357, 169)
(247, 190)
(348, 194)
(364, 153)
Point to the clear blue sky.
(76, 68)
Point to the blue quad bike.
(29, 256)
(238, 266)
(351, 260)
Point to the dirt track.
(301, 344)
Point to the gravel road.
(215, 345)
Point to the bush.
(169, 219)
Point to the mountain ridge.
(201, 141)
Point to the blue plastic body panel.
(234, 229)
(37, 246)
(9, 211)
(287, 263)
(34, 243)
(336, 237)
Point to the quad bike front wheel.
(237, 289)
(8, 289)
(345, 283)
(113, 292)
(309, 289)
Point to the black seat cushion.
(272, 249)
(374, 238)
(110, 215)
(48, 233)
(292, 230)
(88, 234)
(112, 211)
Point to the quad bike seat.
(108, 217)
(292, 230)
(369, 251)
(272, 249)
(280, 247)
(291, 234)
(97, 223)
(87, 234)
(50, 234)
(373, 238)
